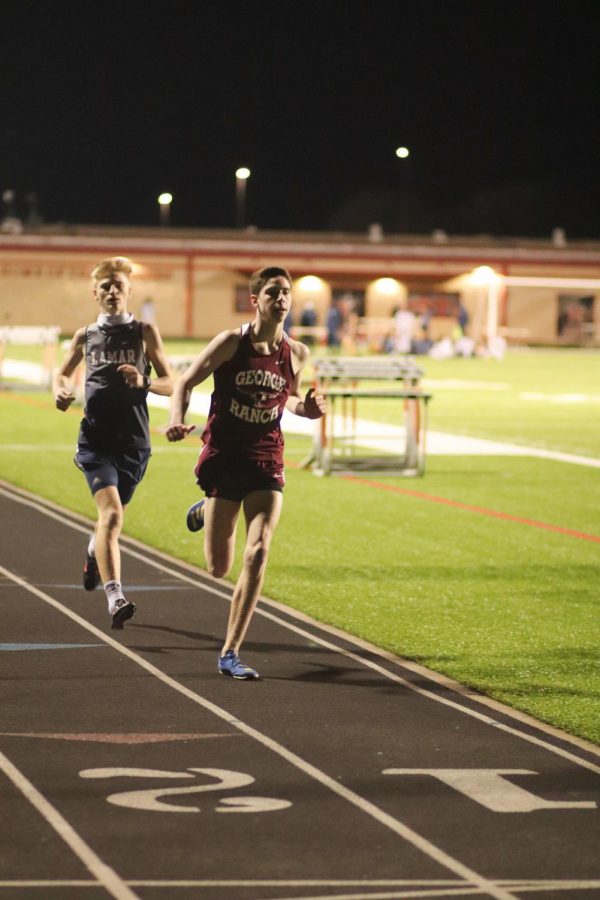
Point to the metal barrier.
(336, 439)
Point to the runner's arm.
(220, 350)
(163, 383)
(61, 383)
(313, 405)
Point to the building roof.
(372, 246)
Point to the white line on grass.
(369, 434)
(395, 825)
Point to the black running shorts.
(105, 469)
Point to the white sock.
(92, 545)
(114, 592)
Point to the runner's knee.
(218, 565)
(255, 555)
(218, 568)
(111, 518)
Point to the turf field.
(477, 587)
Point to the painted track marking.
(367, 663)
(106, 876)
(436, 886)
(361, 803)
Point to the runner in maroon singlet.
(257, 374)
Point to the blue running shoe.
(230, 665)
(195, 516)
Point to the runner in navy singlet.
(113, 446)
(257, 373)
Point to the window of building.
(242, 302)
(575, 318)
(349, 300)
(435, 303)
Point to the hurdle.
(318, 333)
(336, 440)
(33, 335)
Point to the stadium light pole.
(403, 153)
(164, 202)
(241, 177)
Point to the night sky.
(104, 105)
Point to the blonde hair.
(112, 265)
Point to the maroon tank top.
(249, 396)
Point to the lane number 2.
(151, 799)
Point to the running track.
(129, 768)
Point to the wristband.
(146, 383)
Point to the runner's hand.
(64, 398)
(315, 405)
(133, 378)
(178, 432)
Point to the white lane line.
(48, 883)
(520, 885)
(430, 695)
(383, 818)
(105, 876)
(381, 670)
(305, 882)
(458, 891)
(391, 895)
(262, 882)
(198, 582)
(437, 884)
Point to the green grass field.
(502, 605)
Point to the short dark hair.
(259, 278)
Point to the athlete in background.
(257, 374)
(113, 446)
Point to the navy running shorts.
(122, 470)
(233, 479)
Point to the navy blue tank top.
(115, 416)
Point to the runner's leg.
(220, 522)
(108, 529)
(262, 510)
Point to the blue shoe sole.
(254, 677)
(193, 522)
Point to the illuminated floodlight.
(402, 152)
(310, 283)
(241, 177)
(164, 204)
(483, 276)
(387, 286)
